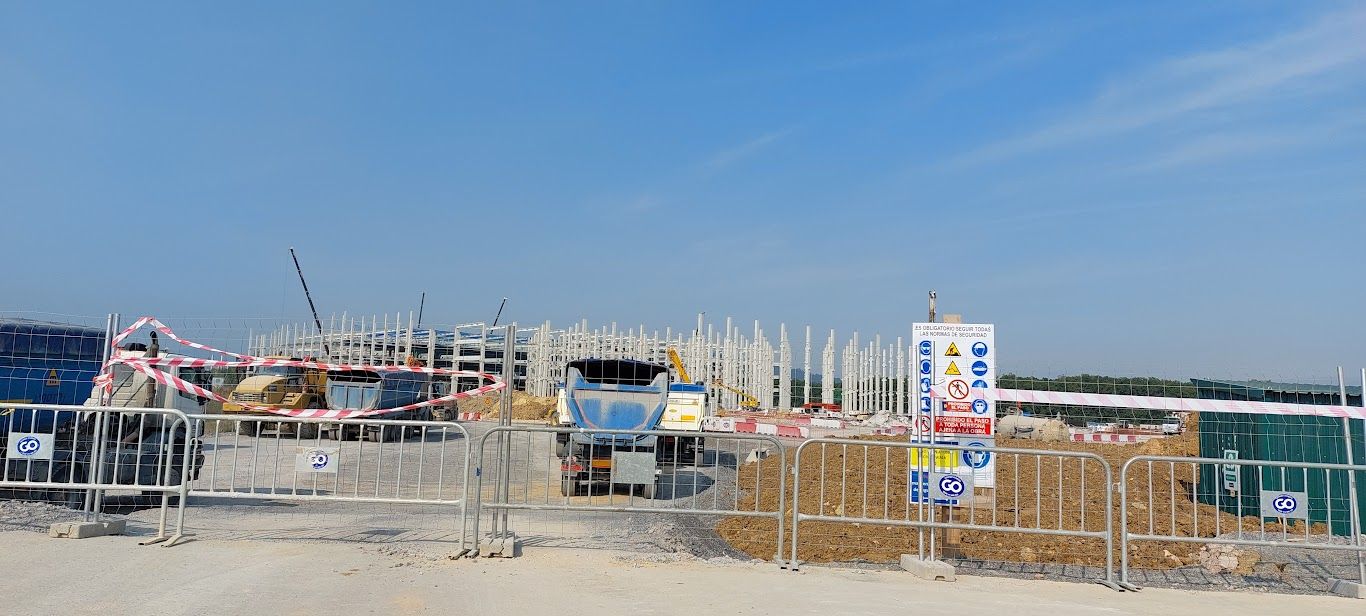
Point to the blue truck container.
(367, 390)
(611, 394)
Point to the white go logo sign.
(1285, 504)
(28, 446)
(318, 459)
(951, 486)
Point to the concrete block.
(928, 569)
(1354, 590)
(505, 546)
(83, 530)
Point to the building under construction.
(863, 377)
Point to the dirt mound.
(1032, 491)
(1186, 444)
(525, 407)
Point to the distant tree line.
(1094, 384)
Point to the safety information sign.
(976, 464)
(960, 358)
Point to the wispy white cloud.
(1319, 58)
(1220, 146)
(734, 154)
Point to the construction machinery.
(686, 410)
(747, 402)
(139, 448)
(678, 366)
(281, 387)
(613, 394)
(367, 390)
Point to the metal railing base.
(1112, 585)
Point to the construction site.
(710, 443)
(683, 308)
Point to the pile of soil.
(1031, 492)
(525, 407)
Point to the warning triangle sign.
(52, 380)
(953, 350)
(952, 369)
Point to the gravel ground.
(32, 516)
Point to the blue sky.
(1124, 189)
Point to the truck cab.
(132, 388)
(289, 387)
(284, 387)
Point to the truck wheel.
(648, 490)
(308, 431)
(384, 434)
(248, 428)
(568, 487)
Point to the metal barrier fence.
(880, 486)
(404, 462)
(74, 455)
(1220, 501)
(541, 468)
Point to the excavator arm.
(746, 400)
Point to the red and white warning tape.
(1101, 437)
(1162, 404)
(147, 366)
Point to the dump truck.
(283, 387)
(687, 408)
(367, 390)
(613, 394)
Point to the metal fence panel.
(340, 460)
(1168, 502)
(74, 455)
(872, 499)
(670, 473)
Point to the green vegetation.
(1096, 384)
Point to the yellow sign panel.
(953, 350)
(943, 458)
(52, 380)
(953, 369)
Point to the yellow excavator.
(747, 402)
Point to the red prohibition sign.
(958, 388)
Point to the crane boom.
(678, 365)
